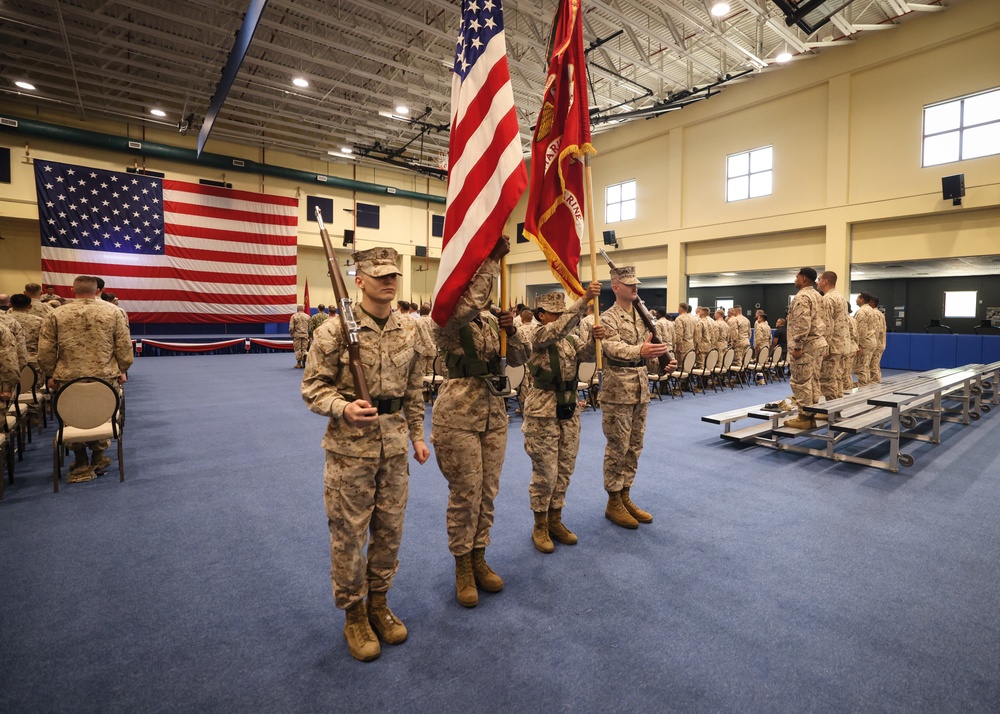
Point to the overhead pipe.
(110, 142)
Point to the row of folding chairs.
(720, 371)
(85, 409)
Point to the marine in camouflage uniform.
(469, 426)
(703, 337)
(867, 340)
(551, 425)
(625, 396)
(366, 474)
(9, 371)
(39, 308)
(806, 346)
(720, 333)
(847, 368)
(426, 346)
(20, 341)
(875, 366)
(739, 332)
(684, 331)
(318, 319)
(664, 328)
(85, 338)
(298, 328)
(838, 338)
(20, 310)
(761, 334)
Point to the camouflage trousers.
(624, 428)
(552, 445)
(703, 349)
(846, 370)
(863, 366)
(805, 375)
(683, 348)
(875, 368)
(365, 499)
(471, 461)
(301, 345)
(831, 376)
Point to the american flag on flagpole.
(486, 174)
(171, 251)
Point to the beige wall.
(848, 186)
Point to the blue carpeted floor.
(768, 581)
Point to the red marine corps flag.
(486, 174)
(557, 198)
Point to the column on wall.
(676, 274)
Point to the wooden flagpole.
(593, 250)
(503, 303)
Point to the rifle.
(647, 319)
(347, 321)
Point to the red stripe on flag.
(224, 257)
(69, 267)
(136, 317)
(228, 193)
(242, 298)
(228, 214)
(478, 109)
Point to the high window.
(619, 202)
(960, 303)
(749, 174)
(963, 128)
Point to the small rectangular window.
(749, 174)
(437, 226)
(724, 303)
(367, 215)
(520, 234)
(960, 303)
(619, 202)
(693, 302)
(325, 206)
(963, 128)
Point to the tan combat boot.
(801, 421)
(483, 573)
(633, 510)
(558, 531)
(361, 641)
(540, 534)
(465, 582)
(389, 628)
(80, 470)
(616, 513)
(99, 462)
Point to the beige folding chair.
(722, 368)
(684, 366)
(515, 378)
(32, 399)
(6, 450)
(703, 373)
(14, 420)
(88, 409)
(585, 376)
(434, 380)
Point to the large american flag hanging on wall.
(171, 251)
(486, 174)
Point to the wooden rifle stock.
(647, 319)
(347, 322)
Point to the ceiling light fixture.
(300, 82)
(25, 85)
(783, 56)
(720, 9)
(346, 150)
(402, 109)
(730, 275)
(157, 112)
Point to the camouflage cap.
(377, 262)
(551, 302)
(625, 275)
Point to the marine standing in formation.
(683, 330)
(625, 396)
(739, 331)
(867, 340)
(806, 346)
(720, 332)
(366, 473)
(847, 369)
(318, 319)
(704, 337)
(551, 423)
(875, 366)
(20, 310)
(761, 334)
(298, 328)
(838, 338)
(469, 426)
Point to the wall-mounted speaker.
(348, 237)
(421, 251)
(953, 187)
(610, 238)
